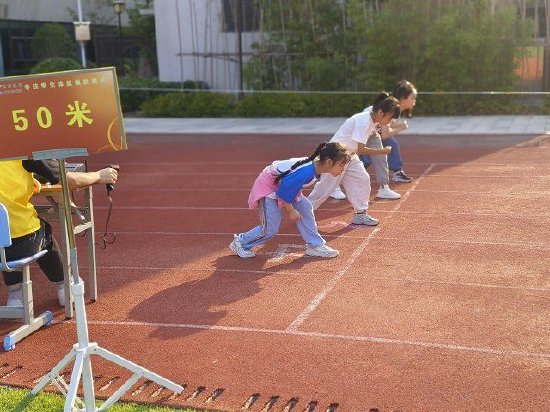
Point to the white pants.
(356, 182)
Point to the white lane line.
(247, 189)
(344, 210)
(314, 304)
(330, 285)
(424, 164)
(460, 284)
(319, 335)
(406, 279)
(528, 245)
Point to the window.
(250, 15)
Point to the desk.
(84, 221)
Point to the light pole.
(82, 33)
(119, 7)
(239, 21)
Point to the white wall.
(200, 31)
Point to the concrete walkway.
(459, 125)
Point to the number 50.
(21, 123)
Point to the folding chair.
(26, 313)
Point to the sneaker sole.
(322, 256)
(389, 198)
(365, 224)
(236, 253)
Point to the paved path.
(450, 125)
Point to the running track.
(445, 306)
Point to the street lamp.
(119, 7)
(82, 33)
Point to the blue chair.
(26, 313)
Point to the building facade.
(198, 40)
(20, 19)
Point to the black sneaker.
(401, 177)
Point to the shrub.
(131, 100)
(167, 105)
(210, 105)
(52, 40)
(189, 105)
(56, 64)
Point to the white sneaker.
(238, 249)
(338, 194)
(61, 293)
(322, 251)
(386, 193)
(364, 219)
(15, 297)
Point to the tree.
(52, 40)
(441, 45)
(143, 26)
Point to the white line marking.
(344, 210)
(207, 163)
(330, 285)
(309, 274)
(247, 189)
(314, 304)
(531, 245)
(319, 335)
(335, 223)
(282, 251)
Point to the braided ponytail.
(311, 158)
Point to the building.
(198, 40)
(20, 19)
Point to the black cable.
(108, 238)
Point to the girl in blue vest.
(278, 187)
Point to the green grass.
(19, 400)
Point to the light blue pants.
(380, 162)
(395, 162)
(270, 220)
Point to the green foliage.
(131, 100)
(209, 104)
(52, 40)
(188, 105)
(19, 400)
(144, 28)
(472, 104)
(56, 64)
(256, 105)
(332, 105)
(368, 45)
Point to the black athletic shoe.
(401, 177)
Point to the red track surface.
(444, 307)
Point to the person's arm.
(76, 180)
(394, 128)
(292, 213)
(364, 150)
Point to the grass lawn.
(18, 400)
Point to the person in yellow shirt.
(29, 233)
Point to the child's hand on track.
(295, 215)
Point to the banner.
(72, 109)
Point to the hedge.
(209, 104)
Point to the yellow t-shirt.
(16, 189)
